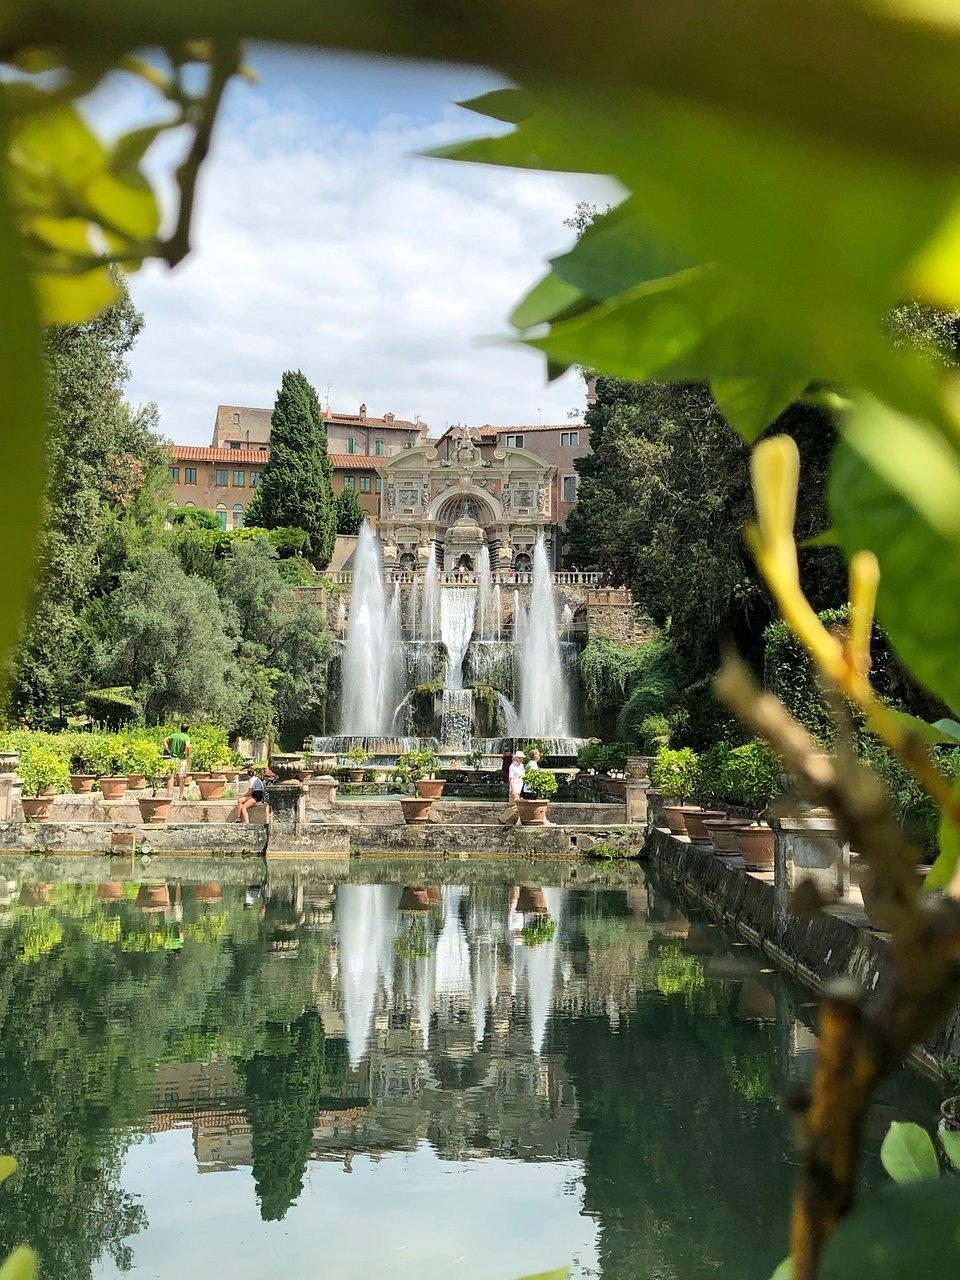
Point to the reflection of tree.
(284, 1084)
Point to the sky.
(323, 242)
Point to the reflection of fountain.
(366, 916)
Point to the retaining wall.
(816, 948)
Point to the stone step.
(386, 812)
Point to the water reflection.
(597, 1071)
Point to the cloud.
(323, 243)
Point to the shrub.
(112, 707)
(607, 851)
(41, 767)
(704, 720)
(358, 755)
(676, 774)
(613, 757)
(541, 783)
(143, 757)
(538, 931)
(588, 756)
(749, 775)
(712, 782)
(654, 734)
(414, 765)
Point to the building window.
(364, 484)
(175, 474)
(569, 488)
(349, 482)
(220, 476)
(236, 444)
(569, 437)
(190, 475)
(351, 444)
(237, 516)
(222, 516)
(378, 448)
(254, 479)
(379, 485)
(514, 442)
(238, 479)
(236, 418)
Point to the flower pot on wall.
(153, 897)
(532, 901)
(155, 809)
(723, 837)
(415, 809)
(208, 892)
(110, 891)
(355, 775)
(37, 808)
(756, 847)
(82, 783)
(211, 788)
(533, 813)
(136, 781)
(430, 788)
(694, 822)
(673, 813)
(112, 788)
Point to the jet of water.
(544, 697)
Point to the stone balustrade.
(455, 578)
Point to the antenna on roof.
(540, 417)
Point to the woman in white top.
(515, 784)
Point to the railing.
(463, 578)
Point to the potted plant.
(429, 787)
(756, 845)
(87, 762)
(44, 773)
(143, 762)
(212, 786)
(410, 768)
(533, 808)
(306, 773)
(675, 774)
(357, 756)
(113, 761)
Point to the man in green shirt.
(178, 746)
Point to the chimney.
(363, 412)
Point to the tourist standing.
(178, 746)
(515, 785)
(505, 769)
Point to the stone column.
(321, 790)
(288, 806)
(10, 789)
(807, 847)
(636, 785)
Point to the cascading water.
(371, 659)
(496, 613)
(457, 616)
(484, 595)
(428, 608)
(544, 702)
(414, 607)
(566, 621)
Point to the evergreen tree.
(350, 514)
(296, 488)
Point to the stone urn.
(355, 775)
(414, 899)
(211, 788)
(430, 788)
(154, 809)
(82, 783)
(153, 897)
(110, 891)
(531, 901)
(673, 813)
(533, 813)
(756, 847)
(694, 823)
(415, 808)
(136, 781)
(112, 788)
(37, 808)
(9, 761)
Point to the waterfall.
(428, 608)
(484, 594)
(566, 621)
(496, 613)
(371, 660)
(457, 612)
(544, 698)
(414, 606)
(342, 616)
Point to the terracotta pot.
(34, 895)
(136, 781)
(37, 808)
(694, 819)
(198, 777)
(110, 891)
(231, 775)
(673, 813)
(155, 809)
(153, 897)
(82, 783)
(414, 900)
(757, 1003)
(722, 832)
(112, 787)
(430, 788)
(756, 847)
(415, 808)
(208, 892)
(354, 775)
(533, 813)
(435, 894)
(211, 788)
(305, 775)
(531, 901)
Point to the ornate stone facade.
(462, 502)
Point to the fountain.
(371, 659)
(544, 703)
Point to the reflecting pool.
(395, 1071)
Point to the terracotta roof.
(355, 419)
(355, 461)
(205, 453)
(488, 432)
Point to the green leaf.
(19, 1265)
(943, 733)
(509, 105)
(8, 1165)
(908, 1153)
(750, 405)
(784, 1271)
(944, 866)
(911, 520)
(950, 1141)
(826, 539)
(547, 300)
(901, 1233)
(615, 253)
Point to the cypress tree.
(350, 514)
(296, 489)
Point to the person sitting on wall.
(533, 764)
(256, 793)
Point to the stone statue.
(543, 500)
(466, 446)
